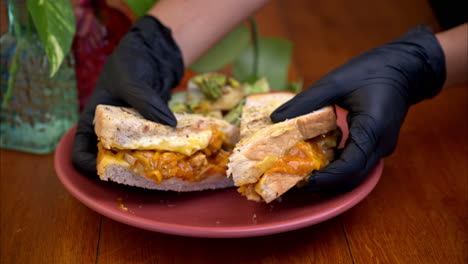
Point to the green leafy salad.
(216, 95)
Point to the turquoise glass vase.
(36, 110)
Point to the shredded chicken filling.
(160, 165)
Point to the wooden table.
(416, 214)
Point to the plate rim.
(351, 199)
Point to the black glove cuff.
(162, 47)
(421, 43)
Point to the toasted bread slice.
(130, 147)
(122, 174)
(257, 109)
(257, 151)
(124, 128)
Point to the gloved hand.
(140, 73)
(377, 88)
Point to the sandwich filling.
(159, 165)
(302, 159)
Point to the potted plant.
(38, 86)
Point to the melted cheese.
(158, 165)
(305, 156)
(266, 163)
(249, 191)
(188, 146)
(302, 159)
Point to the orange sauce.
(159, 165)
(304, 157)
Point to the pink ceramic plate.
(220, 213)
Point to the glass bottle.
(38, 110)
(99, 30)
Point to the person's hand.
(140, 73)
(377, 88)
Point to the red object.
(99, 30)
(220, 213)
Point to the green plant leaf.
(274, 57)
(295, 87)
(140, 7)
(224, 52)
(55, 24)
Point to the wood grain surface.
(310, 245)
(40, 222)
(418, 211)
(416, 214)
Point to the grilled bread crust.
(246, 164)
(121, 128)
(124, 128)
(123, 175)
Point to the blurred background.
(327, 33)
(301, 39)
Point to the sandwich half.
(135, 151)
(272, 158)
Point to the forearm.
(198, 24)
(454, 43)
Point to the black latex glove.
(377, 88)
(140, 73)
